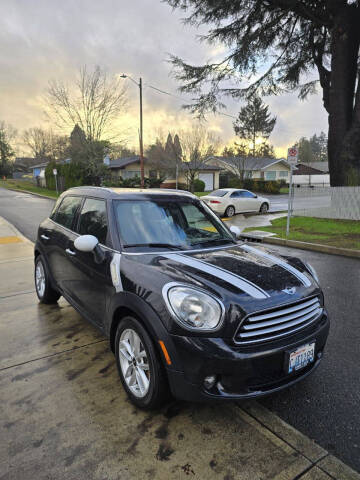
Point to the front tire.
(264, 208)
(139, 366)
(230, 211)
(45, 292)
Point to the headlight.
(312, 272)
(193, 308)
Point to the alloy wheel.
(40, 279)
(134, 363)
(230, 212)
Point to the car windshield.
(174, 224)
(219, 193)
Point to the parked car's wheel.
(139, 366)
(230, 211)
(45, 292)
(264, 208)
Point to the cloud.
(46, 39)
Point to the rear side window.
(93, 219)
(66, 212)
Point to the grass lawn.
(284, 190)
(27, 186)
(337, 233)
(201, 194)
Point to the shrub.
(199, 185)
(69, 175)
(257, 185)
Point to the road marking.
(6, 240)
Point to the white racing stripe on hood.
(239, 282)
(299, 275)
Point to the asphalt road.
(302, 200)
(325, 406)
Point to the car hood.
(251, 276)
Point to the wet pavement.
(64, 413)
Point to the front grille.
(279, 322)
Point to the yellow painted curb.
(6, 240)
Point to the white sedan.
(228, 201)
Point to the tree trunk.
(344, 130)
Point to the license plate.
(301, 357)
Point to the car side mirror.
(89, 243)
(235, 231)
(86, 243)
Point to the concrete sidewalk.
(64, 414)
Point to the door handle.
(44, 237)
(70, 252)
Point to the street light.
(141, 128)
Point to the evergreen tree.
(291, 38)
(6, 151)
(254, 121)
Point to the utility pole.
(141, 127)
(141, 137)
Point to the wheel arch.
(132, 305)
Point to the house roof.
(305, 169)
(323, 166)
(251, 163)
(123, 162)
(196, 166)
(39, 165)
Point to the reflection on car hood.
(243, 269)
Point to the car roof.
(116, 193)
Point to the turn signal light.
(214, 201)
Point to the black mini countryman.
(188, 309)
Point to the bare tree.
(45, 144)
(93, 103)
(198, 144)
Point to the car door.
(235, 201)
(251, 200)
(92, 282)
(57, 239)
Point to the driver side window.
(93, 219)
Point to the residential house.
(306, 175)
(255, 168)
(129, 167)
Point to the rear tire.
(139, 366)
(264, 208)
(45, 292)
(230, 211)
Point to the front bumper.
(241, 372)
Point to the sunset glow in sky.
(47, 39)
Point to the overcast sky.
(50, 39)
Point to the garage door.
(208, 179)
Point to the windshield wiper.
(154, 244)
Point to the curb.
(31, 193)
(316, 247)
(16, 231)
(320, 458)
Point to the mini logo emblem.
(289, 291)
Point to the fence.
(328, 202)
(315, 180)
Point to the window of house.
(270, 175)
(130, 174)
(284, 173)
(153, 174)
(66, 212)
(93, 219)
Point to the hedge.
(262, 186)
(69, 175)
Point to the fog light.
(209, 381)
